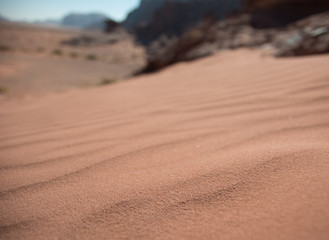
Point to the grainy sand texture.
(233, 146)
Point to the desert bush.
(58, 52)
(40, 49)
(106, 81)
(3, 90)
(91, 57)
(5, 48)
(73, 55)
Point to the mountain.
(173, 17)
(77, 20)
(2, 18)
(90, 20)
(279, 13)
(145, 11)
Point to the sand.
(234, 146)
(34, 60)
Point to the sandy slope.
(234, 146)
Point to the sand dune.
(234, 146)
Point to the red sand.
(235, 146)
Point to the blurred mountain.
(144, 13)
(173, 17)
(2, 18)
(279, 13)
(79, 20)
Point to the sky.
(30, 10)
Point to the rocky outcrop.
(111, 26)
(143, 13)
(203, 40)
(280, 13)
(174, 17)
(183, 30)
(304, 37)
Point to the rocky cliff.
(173, 17)
(279, 13)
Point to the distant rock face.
(91, 20)
(2, 18)
(173, 17)
(111, 26)
(266, 13)
(279, 13)
(143, 13)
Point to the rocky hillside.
(173, 17)
(186, 30)
(279, 13)
(143, 13)
(304, 37)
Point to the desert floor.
(233, 146)
(35, 60)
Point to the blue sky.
(29, 10)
